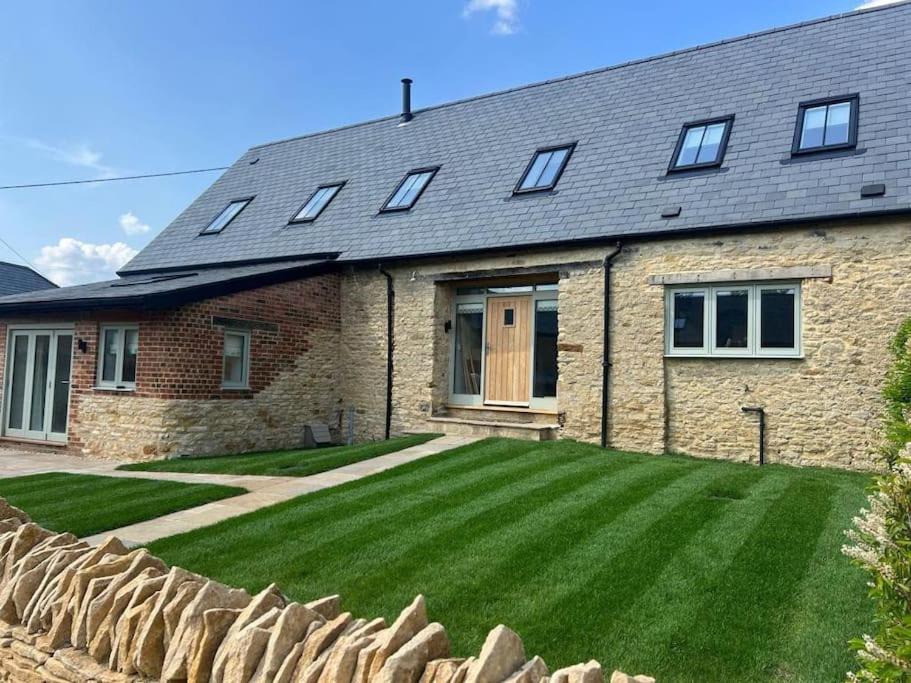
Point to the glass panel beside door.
(469, 335)
(545, 367)
(38, 368)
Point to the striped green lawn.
(87, 504)
(293, 463)
(686, 569)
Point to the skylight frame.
(570, 147)
(294, 220)
(853, 124)
(244, 200)
(432, 170)
(728, 122)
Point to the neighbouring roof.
(626, 120)
(162, 289)
(15, 279)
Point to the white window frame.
(117, 384)
(712, 321)
(709, 348)
(671, 350)
(797, 351)
(245, 378)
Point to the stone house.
(657, 256)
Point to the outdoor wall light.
(447, 326)
(83, 345)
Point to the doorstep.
(495, 413)
(531, 431)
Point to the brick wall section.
(179, 406)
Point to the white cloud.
(131, 225)
(876, 3)
(71, 262)
(507, 13)
(81, 155)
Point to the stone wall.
(71, 613)
(330, 355)
(422, 346)
(362, 352)
(822, 409)
(179, 405)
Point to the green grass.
(87, 504)
(299, 463)
(690, 570)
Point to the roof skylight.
(826, 124)
(702, 144)
(545, 169)
(228, 214)
(410, 189)
(318, 201)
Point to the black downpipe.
(761, 413)
(605, 361)
(390, 347)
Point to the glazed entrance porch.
(503, 359)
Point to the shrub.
(882, 534)
(898, 395)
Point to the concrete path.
(263, 491)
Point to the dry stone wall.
(73, 613)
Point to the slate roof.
(15, 279)
(626, 120)
(163, 289)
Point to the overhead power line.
(25, 260)
(110, 180)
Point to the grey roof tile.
(626, 120)
(15, 279)
(148, 288)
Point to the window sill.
(235, 388)
(735, 356)
(122, 390)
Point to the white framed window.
(740, 320)
(687, 325)
(118, 356)
(235, 372)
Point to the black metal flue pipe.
(406, 100)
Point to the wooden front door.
(508, 350)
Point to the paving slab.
(263, 491)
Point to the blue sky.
(101, 89)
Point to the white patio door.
(38, 384)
